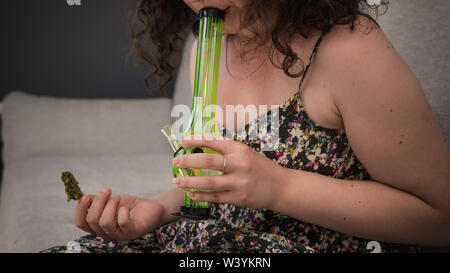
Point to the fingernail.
(84, 197)
(176, 160)
(175, 181)
(116, 196)
(106, 190)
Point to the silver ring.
(224, 164)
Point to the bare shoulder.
(364, 30)
(345, 49)
(387, 118)
(361, 63)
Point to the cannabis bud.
(71, 186)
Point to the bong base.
(193, 213)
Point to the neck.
(250, 56)
(243, 67)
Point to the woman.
(360, 156)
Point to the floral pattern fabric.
(302, 145)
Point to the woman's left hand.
(249, 179)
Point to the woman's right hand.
(120, 218)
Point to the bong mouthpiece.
(212, 12)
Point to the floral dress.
(302, 145)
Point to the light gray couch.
(118, 143)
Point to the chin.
(232, 22)
(231, 31)
(230, 27)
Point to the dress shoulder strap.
(312, 57)
(317, 46)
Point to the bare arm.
(391, 129)
(367, 209)
(171, 202)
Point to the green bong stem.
(202, 119)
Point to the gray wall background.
(49, 47)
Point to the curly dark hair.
(159, 28)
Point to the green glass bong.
(202, 119)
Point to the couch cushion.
(34, 214)
(45, 126)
